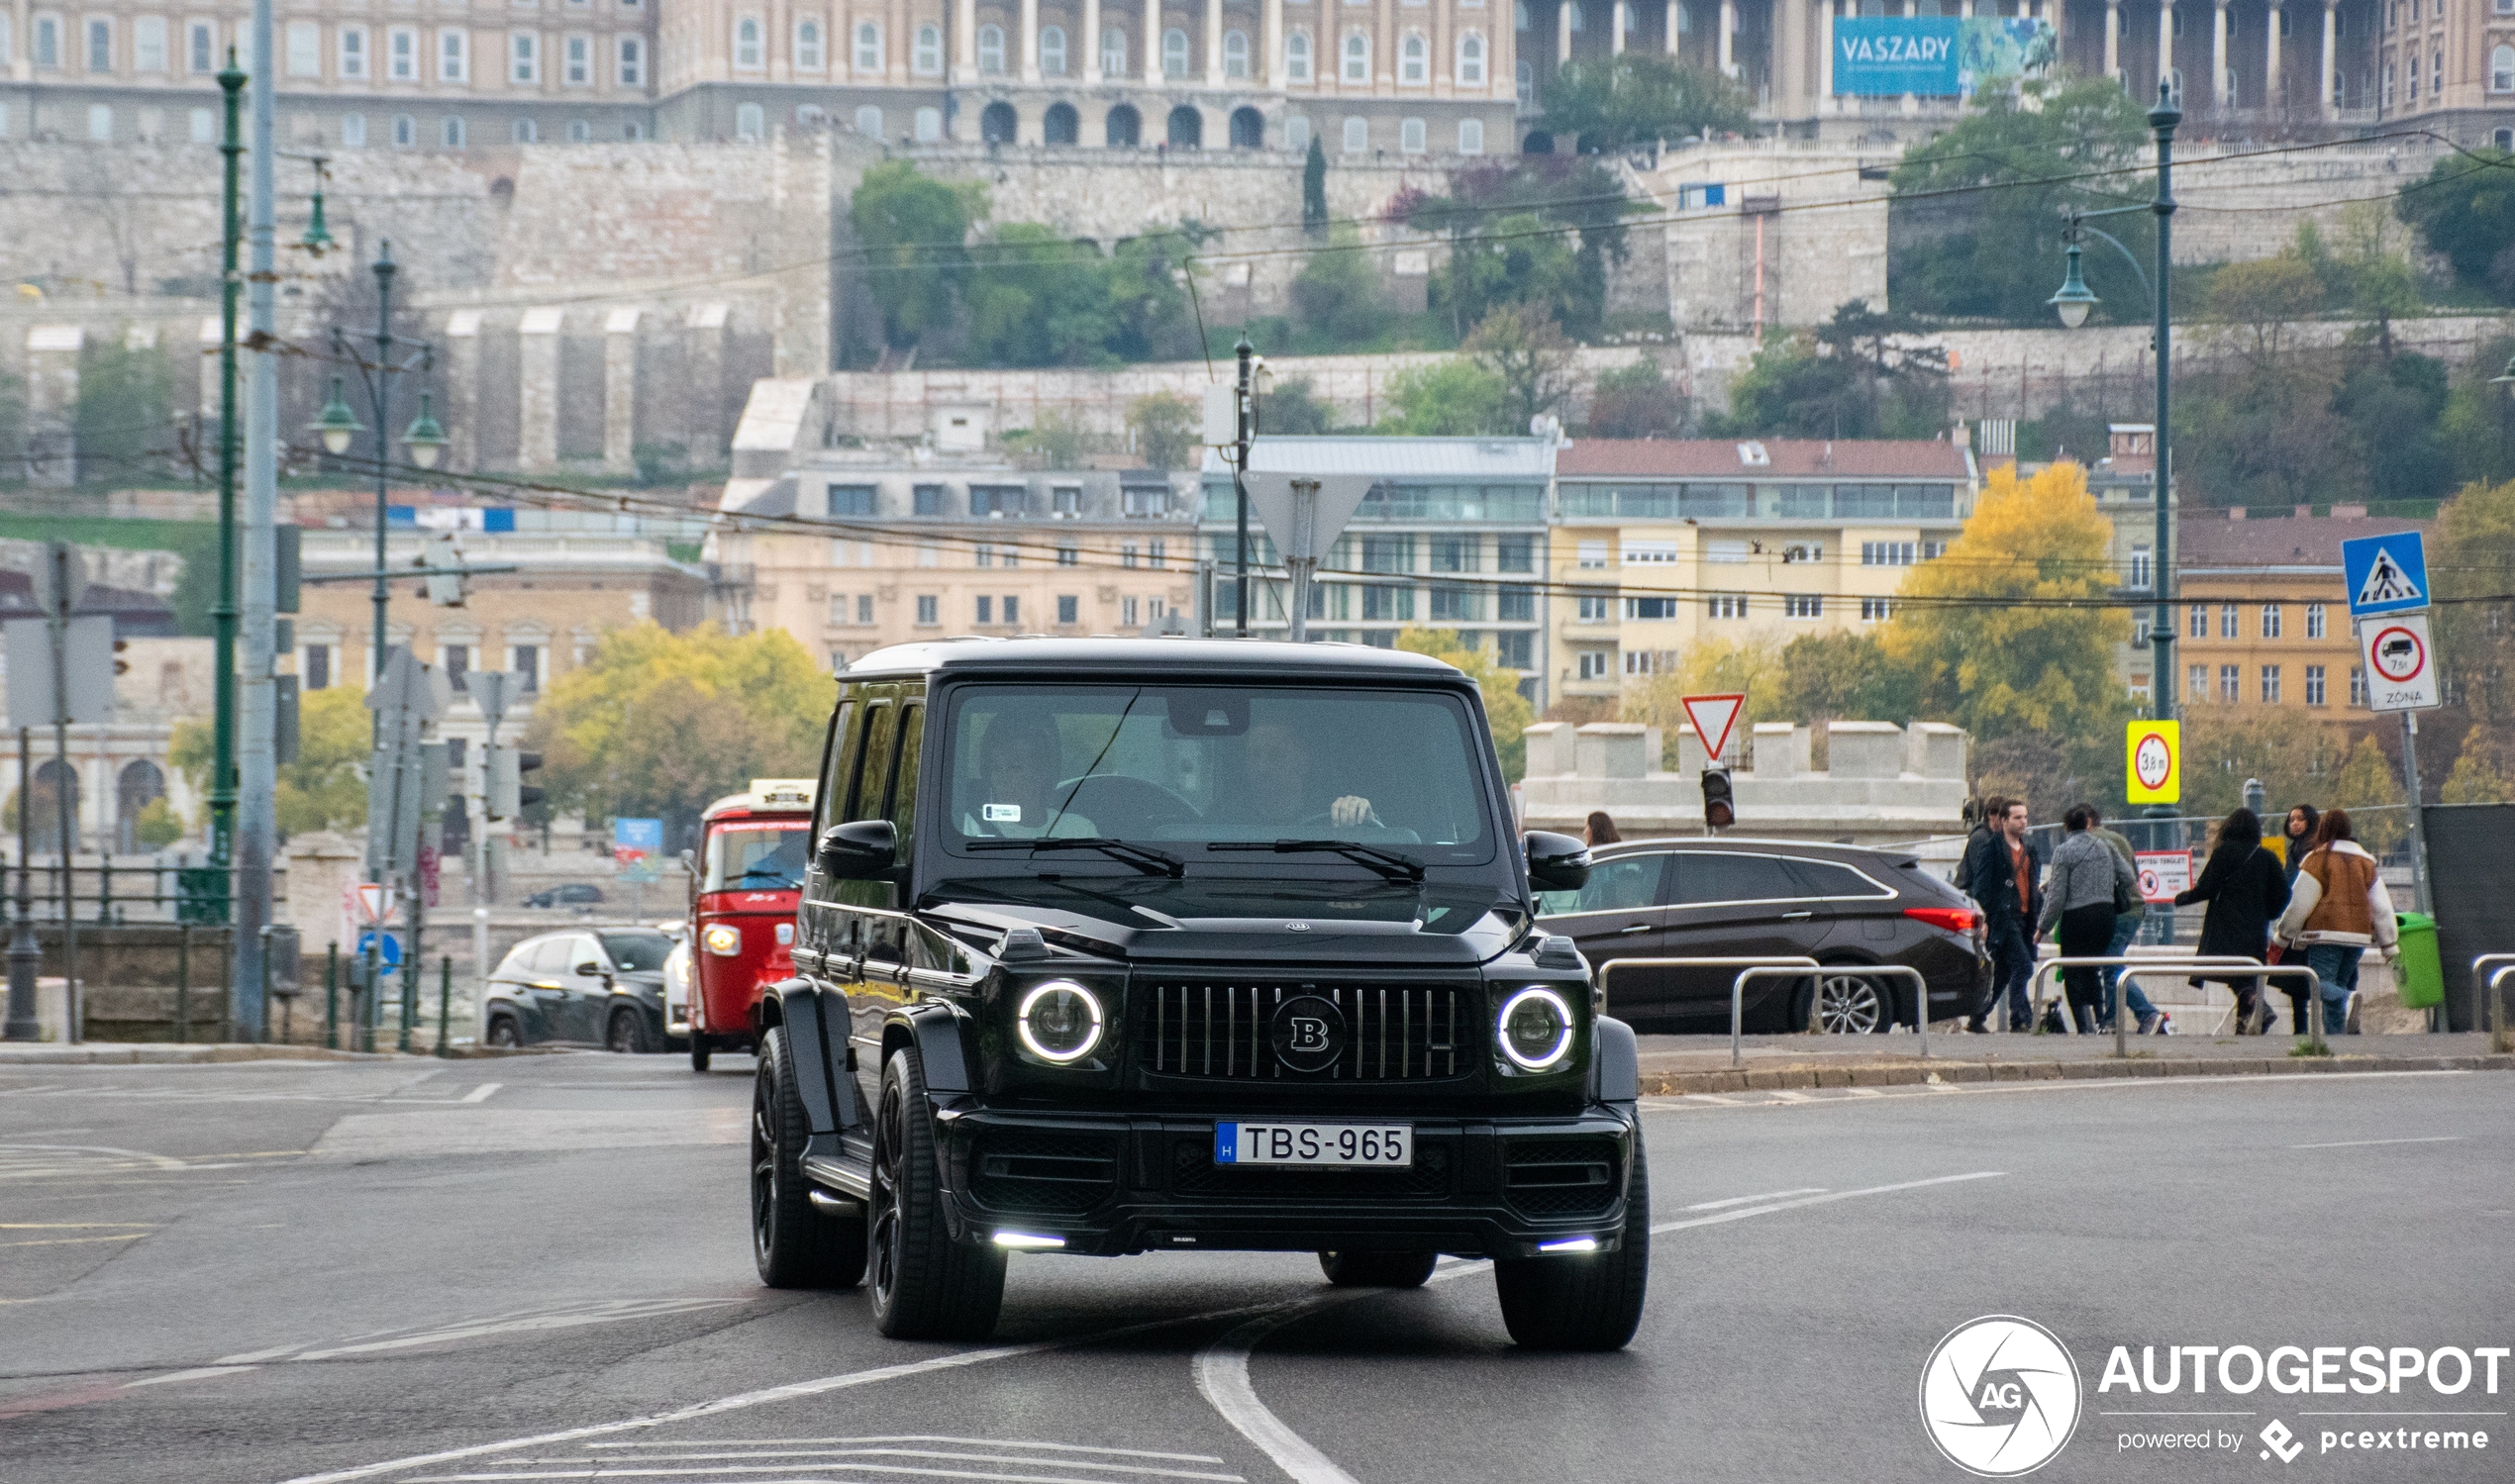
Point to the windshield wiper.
(1144, 859)
(779, 875)
(1389, 863)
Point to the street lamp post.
(2073, 304)
(1240, 483)
(223, 614)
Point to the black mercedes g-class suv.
(1117, 946)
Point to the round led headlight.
(1535, 1029)
(1060, 1022)
(723, 938)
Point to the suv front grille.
(1561, 1176)
(1042, 1171)
(1393, 1032)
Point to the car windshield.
(757, 856)
(1189, 767)
(636, 953)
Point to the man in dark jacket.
(2001, 874)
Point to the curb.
(1918, 1073)
(160, 1054)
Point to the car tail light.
(1952, 919)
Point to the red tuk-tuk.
(747, 875)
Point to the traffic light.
(1720, 810)
(122, 666)
(289, 567)
(507, 795)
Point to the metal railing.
(2034, 1002)
(2311, 1011)
(2506, 964)
(1767, 961)
(1738, 997)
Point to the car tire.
(794, 1244)
(1584, 1303)
(924, 1285)
(626, 1034)
(700, 1050)
(1853, 1005)
(1377, 1269)
(504, 1034)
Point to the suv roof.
(1719, 841)
(1254, 659)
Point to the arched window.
(991, 50)
(1471, 135)
(1296, 56)
(868, 46)
(2502, 70)
(1413, 59)
(1472, 60)
(1358, 58)
(868, 122)
(1174, 53)
(747, 43)
(1113, 51)
(1248, 129)
(1235, 55)
(1060, 125)
(751, 123)
(1123, 127)
(808, 44)
(453, 133)
(1526, 80)
(928, 57)
(998, 123)
(1053, 52)
(1186, 128)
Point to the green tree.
(2466, 210)
(1337, 294)
(1506, 711)
(124, 421)
(1524, 349)
(12, 429)
(1540, 228)
(326, 787)
(911, 229)
(659, 723)
(1149, 295)
(159, 826)
(1056, 439)
(2478, 421)
(2480, 773)
(1450, 398)
(1314, 189)
(2370, 788)
(2472, 556)
(1967, 238)
(1857, 375)
(1038, 299)
(2223, 747)
(1986, 631)
(2256, 428)
(2366, 267)
(1293, 408)
(1709, 666)
(1166, 430)
(1635, 401)
(1844, 676)
(2391, 407)
(1610, 104)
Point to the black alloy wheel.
(1377, 1269)
(926, 1286)
(1853, 1005)
(1588, 1301)
(503, 1032)
(628, 1032)
(794, 1244)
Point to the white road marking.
(992, 1442)
(1770, 1195)
(522, 1321)
(481, 1094)
(1703, 1102)
(2368, 1143)
(744, 1473)
(1743, 1212)
(35, 1161)
(197, 1373)
(456, 1129)
(941, 1455)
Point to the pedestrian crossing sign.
(2386, 573)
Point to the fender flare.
(828, 1103)
(1618, 1061)
(935, 1029)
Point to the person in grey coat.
(2086, 879)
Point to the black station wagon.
(1122, 945)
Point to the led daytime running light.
(1554, 1053)
(1031, 1044)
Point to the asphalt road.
(537, 1268)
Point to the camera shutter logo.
(2000, 1395)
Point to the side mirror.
(690, 872)
(859, 850)
(589, 969)
(1555, 862)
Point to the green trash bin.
(2420, 975)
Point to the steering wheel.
(1119, 805)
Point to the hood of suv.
(1280, 926)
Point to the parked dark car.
(1128, 945)
(583, 987)
(571, 894)
(1727, 897)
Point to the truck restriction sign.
(2162, 873)
(2401, 672)
(2153, 770)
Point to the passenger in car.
(1019, 768)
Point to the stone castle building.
(1366, 77)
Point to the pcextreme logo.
(2000, 1395)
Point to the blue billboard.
(1934, 56)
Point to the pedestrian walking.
(2340, 910)
(2128, 918)
(2000, 875)
(1601, 830)
(2303, 820)
(2246, 892)
(2080, 897)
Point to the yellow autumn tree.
(1988, 629)
(1506, 711)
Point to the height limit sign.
(2153, 762)
(2401, 663)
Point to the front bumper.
(1107, 1185)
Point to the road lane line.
(2368, 1143)
(992, 1442)
(1743, 1212)
(72, 1242)
(198, 1372)
(939, 1454)
(1770, 1195)
(482, 1093)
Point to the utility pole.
(2162, 120)
(1240, 480)
(222, 616)
(61, 566)
(26, 956)
(255, 820)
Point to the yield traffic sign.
(1714, 716)
(2153, 762)
(373, 902)
(2386, 573)
(2402, 667)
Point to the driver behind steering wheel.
(1281, 792)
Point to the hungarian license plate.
(1361, 1146)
